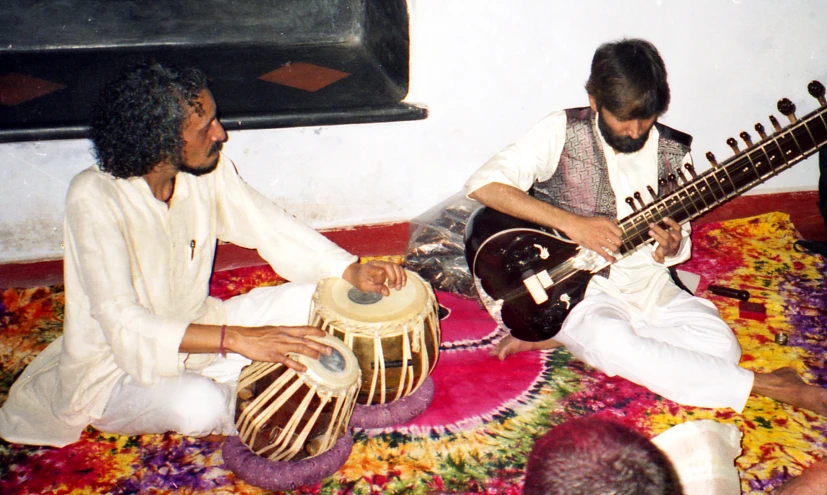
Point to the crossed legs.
(202, 403)
(687, 354)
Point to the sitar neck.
(741, 172)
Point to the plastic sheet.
(436, 246)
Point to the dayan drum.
(395, 338)
(283, 415)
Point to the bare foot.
(812, 481)
(786, 386)
(508, 345)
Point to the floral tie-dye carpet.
(476, 433)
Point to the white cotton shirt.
(636, 279)
(703, 453)
(136, 275)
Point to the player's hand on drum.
(376, 276)
(273, 343)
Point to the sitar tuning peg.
(733, 144)
(631, 203)
(711, 158)
(775, 123)
(691, 169)
(816, 90)
(672, 180)
(760, 130)
(639, 199)
(652, 193)
(787, 108)
(746, 137)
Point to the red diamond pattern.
(19, 88)
(304, 76)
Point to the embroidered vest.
(581, 183)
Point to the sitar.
(530, 277)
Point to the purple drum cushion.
(395, 412)
(284, 475)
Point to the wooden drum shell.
(283, 415)
(396, 342)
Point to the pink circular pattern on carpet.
(468, 383)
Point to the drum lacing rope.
(262, 408)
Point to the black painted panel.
(80, 43)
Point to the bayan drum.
(395, 338)
(284, 415)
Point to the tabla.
(282, 414)
(395, 338)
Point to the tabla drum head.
(337, 371)
(339, 296)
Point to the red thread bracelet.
(221, 345)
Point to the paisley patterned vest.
(581, 182)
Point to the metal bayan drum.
(395, 338)
(283, 415)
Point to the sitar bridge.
(537, 284)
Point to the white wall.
(487, 70)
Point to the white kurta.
(629, 325)
(136, 275)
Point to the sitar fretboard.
(744, 170)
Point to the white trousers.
(203, 402)
(687, 354)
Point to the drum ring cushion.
(284, 475)
(394, 412)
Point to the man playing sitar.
(586, 168)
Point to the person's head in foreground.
(590, 456)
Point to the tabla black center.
(364, 298)
(334, 362)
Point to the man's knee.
(201, 407)
(721, 340)
(285, 304)
(733, 353)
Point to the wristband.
(221, 345)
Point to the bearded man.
(634, 321)
(145, 348)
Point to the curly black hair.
(139, 117)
